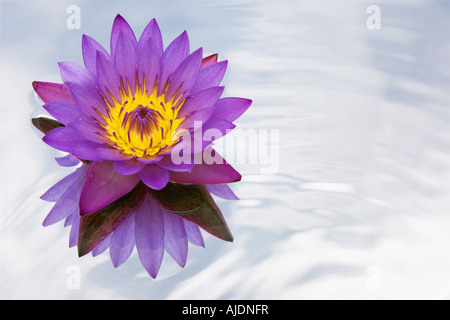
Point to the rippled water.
(360, 204)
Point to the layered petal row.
(135, 119)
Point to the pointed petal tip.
(35, 122)
(184, 35)
(43, 198)
(81, 251)
(228, 238)
(198, 52)
(119, 17)
(209, 60)
(45, 124)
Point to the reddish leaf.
(194, 203)
(209, 60)
(95, 227)
(45, 124)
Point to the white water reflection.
(360, 206)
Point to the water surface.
(359, 206)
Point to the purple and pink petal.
(126, 194)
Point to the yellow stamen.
(143, 123)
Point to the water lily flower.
(134, 120)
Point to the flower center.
(143, 124)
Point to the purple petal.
(166, 151)
(125, 60)
(74, 73)
(191, 143)
(152, 31)
(204, 99)
(89, 130)
(197, 119)
(209, 60)
(150, 235)
(74, 229)
(57, 190)
(90, 47)
(108, 153)
(175, 53)
(154, 176)
(150, 159)
(222, 191)
(214, 173)
(67, 161)
(83, 86)
(119, 25)
(215, 129)
(93, 151)
(89, 100)
(63, 138)
(175, 239)
(49, 92)
(167, 163)
(103, 186)
(122, 241)
(67, 204)
(185, 75)
(202, 138)
(63, 111)
(102, 246)
(128, 167)
(108, 77)
(148, 63)
(70, 220)
(88, 150)
(210, 76)
(231, 108)
(193, 233)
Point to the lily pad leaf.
(45, 124)
(96, 226)
(194, 203)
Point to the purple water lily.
(126, 119)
